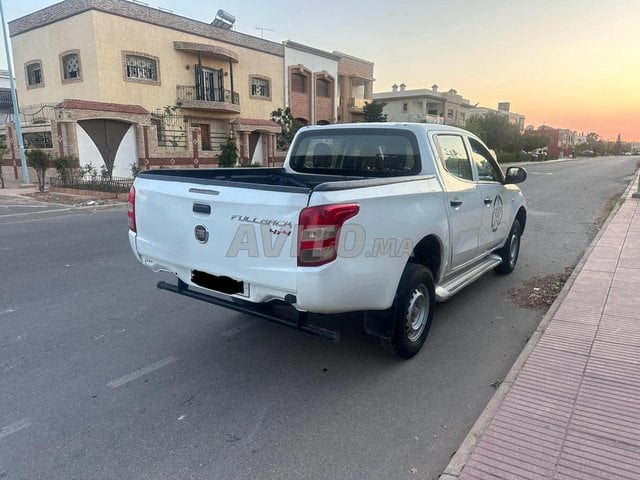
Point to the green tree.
(617, 147)
(289, 125)
(373, 111)
(496, 131)
(532, 142)
(39, 161)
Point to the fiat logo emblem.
(201, 233)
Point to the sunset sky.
(565, 63)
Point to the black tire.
(510, 250)
(412, 312)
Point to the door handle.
(488, 201)
(455, 203)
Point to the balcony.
(218, 99)
(357, 104)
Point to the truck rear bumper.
(257, 310)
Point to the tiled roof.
(73, 104)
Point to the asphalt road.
(102, 376)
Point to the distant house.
(424, 105)
(562, 140)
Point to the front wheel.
(412, 312)
(510, 251)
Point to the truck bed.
(268, 178)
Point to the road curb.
(461, 456)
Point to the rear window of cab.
(362, 152)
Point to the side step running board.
(445, 290)
(251, 309)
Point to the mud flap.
(379, 324)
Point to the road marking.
(539, 173)
(8, 310)
(240, 328)
(44, 211)
(13, 428)
(110, 333)
(540, 213)
(23, 206)
(118, 382)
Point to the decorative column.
(245, 147)
(272, 150)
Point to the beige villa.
(122, 84)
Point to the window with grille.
(141, 68)
(299, 83)
(323, 88)
(71, 66)
(34, 74)
(260, 87)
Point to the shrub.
(506, 157)
(66, 166)
(229, 154)
(39, 161)
(135, 169)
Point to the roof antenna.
(262, 30)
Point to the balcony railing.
(189, 93)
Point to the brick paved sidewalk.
(573, 411)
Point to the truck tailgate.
(244, 232)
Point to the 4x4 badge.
(201, 233)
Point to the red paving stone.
(573, 411)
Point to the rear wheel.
(412, 312)
(510, 251)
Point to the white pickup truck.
(383, 218)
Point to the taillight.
(131, 213)
(319, 231)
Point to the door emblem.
(496, 216)
(201, 233)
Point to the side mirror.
(515, 175)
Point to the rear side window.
(454, 156)
(366, 152)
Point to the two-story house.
(310, 81)
(424, 105)
(355, 87)
(125, 84)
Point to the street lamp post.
(14, 100)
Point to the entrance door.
(205, 136)
(213, 85)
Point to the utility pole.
(14, 100)
(262, 30)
